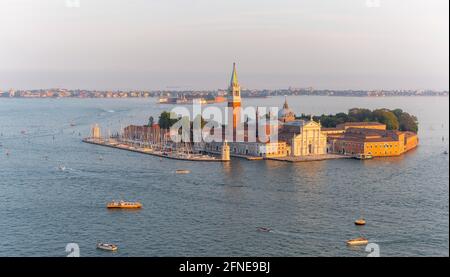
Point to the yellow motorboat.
(360, 221)
(358, 241)
(123, 205)
(182, 171)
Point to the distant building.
(219, 99)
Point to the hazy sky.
(191, 44)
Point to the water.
(216, 208)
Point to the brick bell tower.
(234, 99)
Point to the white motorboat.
(107, 246)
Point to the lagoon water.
(214, 210)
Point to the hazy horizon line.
(222, 89)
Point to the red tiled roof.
(366, 132)
(361, 139)
(360, 124)
(331, 129)
(409, 134)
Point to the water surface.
(214, 210)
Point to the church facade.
(305, 137)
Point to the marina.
(211, 156)
(198, 157)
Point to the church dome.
(286, 114)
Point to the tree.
(408, 123)
(398, 113)
(165, 122)
(202, 121)
(341, 118)
(327, 121)
(386, 117)
(151, 121)
(394, 119)
(359, 115)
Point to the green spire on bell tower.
(234, 90)
(234, 79)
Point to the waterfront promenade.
(175, 156)
(207, 158)
(247, 157)
(311, 158)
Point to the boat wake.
(275, 231)
(304, 236)
(63, 168)
(291, 234)
(389, 241)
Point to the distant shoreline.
(209, 95)
(266, 97)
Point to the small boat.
(182, 171)
(107, 246)
(360, 221)
(363, 157)
(123, 205)
(61, 167)
(445, 153)
(358, 241)
(263, 229)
